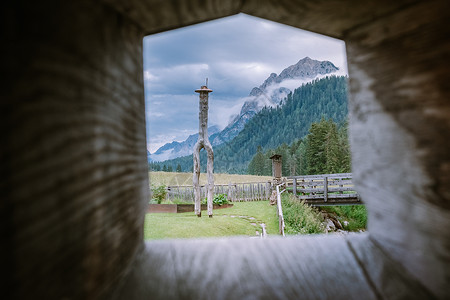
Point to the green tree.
(333, 153)
(170, 168)
(256, 165)
(179, 168)
(327, 148)
(344, 145)
(315, 149)
(300, 155)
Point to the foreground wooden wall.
(73, 172)
(73, 163)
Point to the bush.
(300, 218)
(219, 199)
(159, 193)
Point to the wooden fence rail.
(281, 224)
(324, 189)
(251, 191)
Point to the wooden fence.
(325, 189)
(281, 224)
(252, 191)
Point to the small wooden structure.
(276, 165)
(203, 142)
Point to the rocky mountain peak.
(307, 68)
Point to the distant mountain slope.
(270, 93)
(177, 149)
(273, 126)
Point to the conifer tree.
(333, 153)
(315, 150)
(300, 155)
(256, 165)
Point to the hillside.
(273, 126)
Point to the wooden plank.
(341, 189)
(330, 196)
(333, 203)
(340, 182)
(339, 175)
(308, 184)
(294, 191)
(311, 190)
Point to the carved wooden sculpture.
(203, 142)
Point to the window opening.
(255, 68)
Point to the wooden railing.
(324, 189)
(280, 208)
(251, 191)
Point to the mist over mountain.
(269, 94)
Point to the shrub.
(300, 218)
(219, 199)
(159, 193)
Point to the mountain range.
(269, 94)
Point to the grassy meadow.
(243, 219)
(173, 178)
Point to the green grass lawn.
(225, 222)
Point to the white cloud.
(221, 110)
(155, 114)
(149, 76)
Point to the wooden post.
(325, 188)
(294, 187)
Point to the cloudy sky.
(235, 54)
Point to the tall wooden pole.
(203, 142)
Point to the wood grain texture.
(73, 166)
(333, 18)
(160, 15)
(308, 267)
(400, 136)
